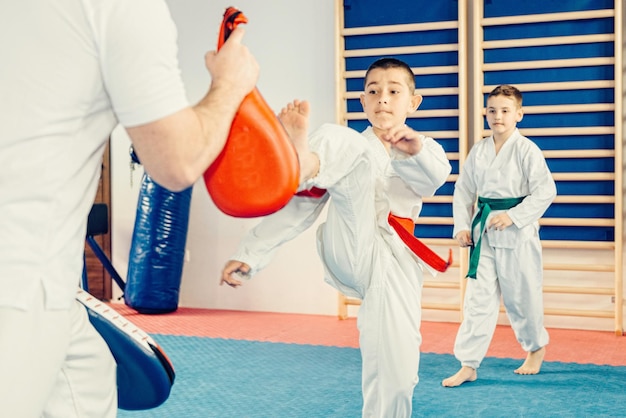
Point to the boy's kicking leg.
(335, 158)
(295, 120)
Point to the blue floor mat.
(248, 379)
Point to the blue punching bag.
(157, 252)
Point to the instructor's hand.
(233, 67)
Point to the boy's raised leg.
(533, 362)
(295, 120)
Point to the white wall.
(294, 44)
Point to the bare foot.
(533, 362)
(466, 374)
(295, 119)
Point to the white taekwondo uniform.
(510, 263)
(362, 255)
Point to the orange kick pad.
(258, 172)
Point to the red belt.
(404, 227)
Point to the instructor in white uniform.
(71, 70)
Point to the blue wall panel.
(579, 142)
(364, 13)
(540, 30)
(358, 13)
(547, 75)
(518, 56)
(497, 8)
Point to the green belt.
(485, 206)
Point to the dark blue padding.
(144, 376)
(98, 220)
(157, 250)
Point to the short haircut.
(508, 91)
(386, 63)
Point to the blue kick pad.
(230, 378)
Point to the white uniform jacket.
(518, 170)
(400, 182)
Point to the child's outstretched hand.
(232, 270)
(464, 238)
(500, 221)
(404, 138)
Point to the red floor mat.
(575, 346)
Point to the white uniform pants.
(54, 364)
(516, 274)
(359, 256)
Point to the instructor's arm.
(177, 150)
